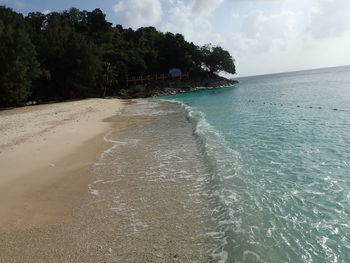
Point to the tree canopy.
(216, 59)
(18, 58)
(78, 54)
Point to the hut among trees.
(78, 54)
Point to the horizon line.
(292, 71)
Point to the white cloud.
(205, 7)
(264, 32)
(137, 13)
(330, 18)
(260, 33)
(183, 19)
(46, 12)
(272, 36)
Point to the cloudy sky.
(264, 36)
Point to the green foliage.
(18, 63)
(82, 55)
(109, 77)
(68, 57)
(137, 91)
(216, 59)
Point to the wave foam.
(224, 164)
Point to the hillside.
(79, 54)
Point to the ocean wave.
(144, 108)
(224, 166)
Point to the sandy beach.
(64, 199)
(44, 153)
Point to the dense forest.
(78, 54)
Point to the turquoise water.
(278, 151)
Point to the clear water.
(278, 151)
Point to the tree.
(73, 53)
(82, 67)
(216, 59)
(69, 58)
(109, 77)
(18, 63)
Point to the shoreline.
(44, 147)
(175, 86)
(147, 91)
(141, 199)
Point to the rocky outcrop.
(174, 86)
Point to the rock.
(174, 86)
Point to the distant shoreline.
(170, 87)
(151, 89)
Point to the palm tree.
(109, 77)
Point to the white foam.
(115, 145)
(249, 253)
(143, 108)
(225, 163)
(92, 191)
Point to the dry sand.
(45, 152)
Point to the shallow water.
(154, 183)
(277, 149)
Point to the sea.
(255, 172)
(276, 151)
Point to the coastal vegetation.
(78, 54)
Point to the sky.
(264, 36)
